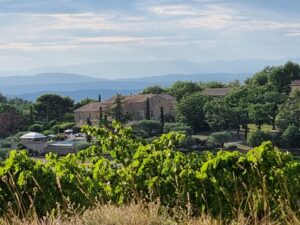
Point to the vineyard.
(263, 182)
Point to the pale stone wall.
(135, 110)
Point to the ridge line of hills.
(81, 86)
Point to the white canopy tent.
(68, 131)
(33, 136)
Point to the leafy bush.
(178, 127)
(36, 128)
(147, 128)
(47, 132)
(291, 136)
(83, 145)
(12, 140)
(60, 128)
(201, 141)
(256, 138)
(198, 182)
(65, 126)
(220, 138)
(53, 123)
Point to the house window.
(151, 113)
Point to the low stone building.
(133, 106)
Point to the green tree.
(31, 115)
(36, 128)
(117, 110)
(53, 107)
(182, 88)
(238, 102)
(147, 128)
(190, 110)
(293, 69)
(289, 112)
(148, 116)
(218, 114)
(291, 136)
(220, 137)
(258, 114)
(3, 99)
(162, 117)
(100, 116)
(280, 79)
(256, 138)
(155, 89)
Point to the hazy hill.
(81, 94)
(80, 86)
(46, 78)
(123, 69)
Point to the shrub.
(35, 128)
(178, 127)
(201, 141)
(65, 126)
(12, 141)
(83, 145)
(55, 129)
(291, 136)
(53, 123)
(256, 138)
(147, 128)
(47, 132)
(60, 128)
(189, 142)
(220, 137)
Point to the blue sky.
(42, 33)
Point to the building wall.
(137, 110)
(81, 117)
(134, 110)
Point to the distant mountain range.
(136, 69)
(80, 86)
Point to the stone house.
(134, 106)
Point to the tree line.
(265, 98)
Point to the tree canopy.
(53, 107)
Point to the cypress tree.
(99, 98)
(88, 137)
(147, 109)
(162, 118)
(105, 120)
(100, 116)
(31, 115)
(117, 110)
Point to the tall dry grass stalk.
(143, 214)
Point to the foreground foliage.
(263, 182)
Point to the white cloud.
(173, 10)
(293, 34)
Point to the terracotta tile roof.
(216, 91)
(94, 107)
(141, 98)
(107, 104)
(296, 83)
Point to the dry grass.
(139, 214)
